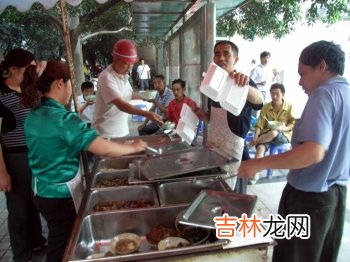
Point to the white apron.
(76, 189)
(220, 136)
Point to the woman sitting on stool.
(267, 134)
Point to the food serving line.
(160, 207)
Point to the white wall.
(285, 54)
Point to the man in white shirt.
(143, 74)
(114, 93)
(262, 75)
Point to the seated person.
(175, 105)
(277, 110)
(86, 106)
(160, 105)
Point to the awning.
(158, 18)
(150, 18)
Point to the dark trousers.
(149, 129)
(24, 223)
(327, 214)
(60, 215)
(242, 183)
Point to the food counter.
(119, 200)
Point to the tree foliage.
(41, 30)
(34, 30)
(278, 17)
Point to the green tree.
(260, 18)
(41, 30)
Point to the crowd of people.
(41, 140)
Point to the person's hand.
(253, 142)
(141, 126)
(240, 78)
(281, 128)
(139, 145)
(155, 118)
(200, 113)
(247, 169)
(5, 182)
(40, 67)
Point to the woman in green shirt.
(55, 138)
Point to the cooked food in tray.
(195, 235)
(123, 204)
(172, 242)
(159, 232)
(125, 243)
(112, 182)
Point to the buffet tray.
(123, 193)
(108, 164)
(98, 229)
(168, 192)
(181, 162)
(108, 175)
(136, 178)
(209, 204)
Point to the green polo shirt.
(55, 138)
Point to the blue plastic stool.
(137, 118)
(274, 150)
(200, 128)
(199, 132)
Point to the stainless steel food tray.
(136, 178)
(106, 164)
(97, 230)
(182, 162)
(186, 190)
(152, 140)
(209, 204)
(166, 149)
(110, 175)
(128, 193)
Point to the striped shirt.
(164, 99)
(13, 114)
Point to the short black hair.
(264, 54)
(330, 52)
(86, 85)
(226, 42)
(17, 57)
(160, 77)
(278, 86)
(141, 58)
(179, 81)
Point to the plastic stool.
(137, 118)
(274, 150)
(200, 128)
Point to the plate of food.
(173, 242)
(275, 125)
(90, 98)
(158, 233)
(125, 243)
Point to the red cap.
(125, 50)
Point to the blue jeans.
(144, 84)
